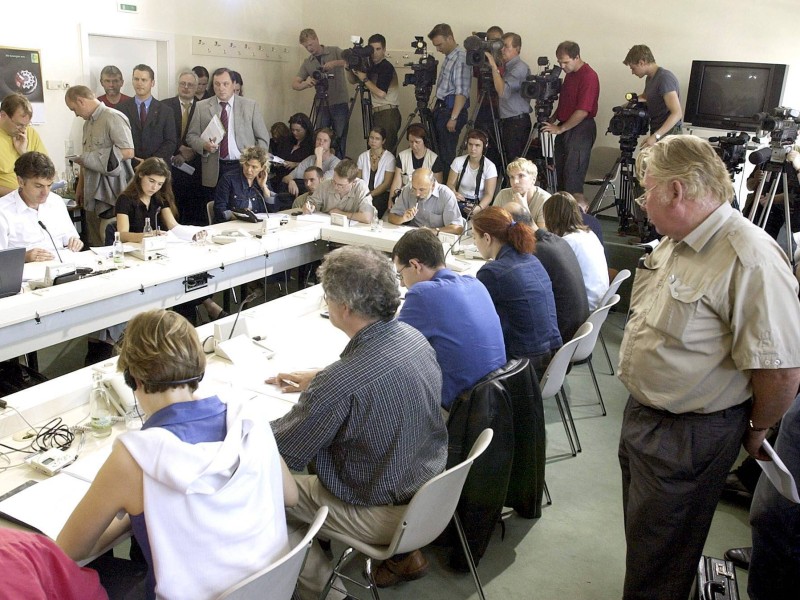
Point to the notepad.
(46, 506)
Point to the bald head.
(520, 214)
(422, 182)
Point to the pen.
(291, 383)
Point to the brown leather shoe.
(391, 571)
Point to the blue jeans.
(447, 143)
(335, 116)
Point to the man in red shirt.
(574, 120)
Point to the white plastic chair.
(426, 516)
(278, 580)
(583, 353)
(552, 383)
(612, 289)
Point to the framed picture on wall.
(21, 73)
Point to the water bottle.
(119, 252)
(99, 407)
(377, 224)
(148, 229)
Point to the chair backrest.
(553, 377)
(597, 318)
(210, 211)
(614, 286)
(432, 507)
(278, 580)
(111, 229)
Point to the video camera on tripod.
(359, 57)
(476, 47)
(423, 72)
(630, 120)
(732, 149)
(782, 124)
(321, 81)
(543, 88)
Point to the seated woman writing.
(519, 286)
(149, 196)
(245, 189)
(201, 485)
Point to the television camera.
(423, 72)
(359, 57)
(476, 47)
(732, 149)
(782, 124)
(630, 120)
(543, 88)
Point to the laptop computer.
(12, 262)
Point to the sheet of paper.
(186, 168)
(86, 467)
(315, 218)
(778, 474)
(37, 507)
(277, 160)
(214, 131)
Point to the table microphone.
(249, 298)
(51, 241)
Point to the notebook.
(12, 262)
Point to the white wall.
(56, 28)
(677, 32)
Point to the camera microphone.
(248, 299)
(760, 156)
(473, 42)
(52, 241)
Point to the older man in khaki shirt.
(715, 322)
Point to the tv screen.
(727, 95)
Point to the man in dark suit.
(243, 123)
(152, 123)
(187, 187)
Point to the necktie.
(184, 117)
(142, 113)
(223, 116)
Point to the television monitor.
(727, 95)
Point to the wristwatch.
(658, 136)
(454, 118)
(754, 428)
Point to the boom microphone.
(760, 156)
(248, 299)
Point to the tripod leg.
(611, 176)
(787, 223)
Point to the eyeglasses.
(188, 84)
(642, 200)
(399, 274)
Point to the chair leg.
(605, 351)
(596, 387)
(547, 495)
(570, 419)
(371, 579)
(468, 555)
(566, 424)
(348, 554)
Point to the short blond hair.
(308, 34)
(524, 165)
(690, 160)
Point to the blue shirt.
(194, 422)
(456, 314)
(232, 191)
(455, 77)
(523, 296)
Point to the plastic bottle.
(148, 229)
(99, 407)
(119, 252)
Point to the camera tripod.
(624, 201)
(546, 143)
(319, 106)
(776, 173)
(426, 120)
(365, 101)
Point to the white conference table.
(40, 318)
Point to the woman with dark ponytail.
(519, 286)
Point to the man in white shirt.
(26, 212)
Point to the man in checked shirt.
(370, 421)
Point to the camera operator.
(327, 59)
(381, 80)
(452, 91)
(776, 219)
(515, 120)
(661, 92)
(574, 120)
(484, 120)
